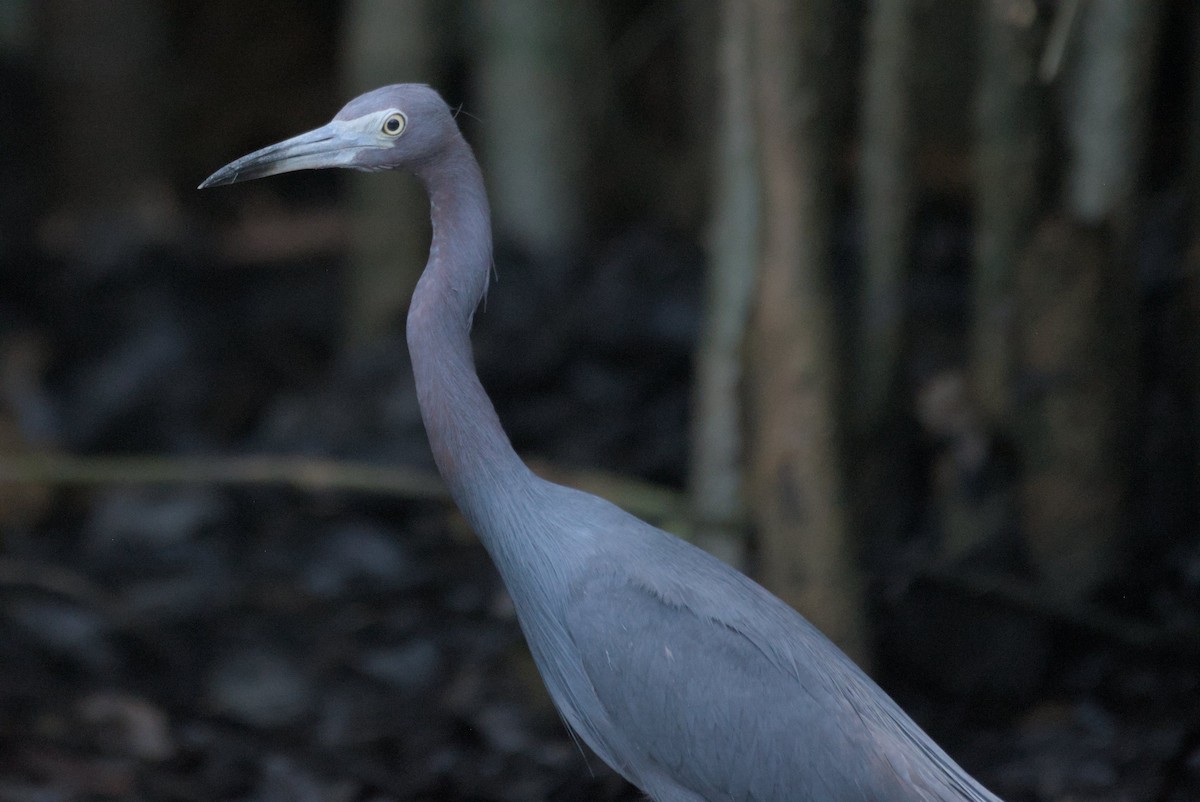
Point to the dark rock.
(190, 589)
(504, 727)
(260, 686)
(410, 668)
(129, 725)
(152, 518)
(283, 780)
(354, 712)
(66, 629)
(357, 558)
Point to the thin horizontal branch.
(303, 473)
(311, 475)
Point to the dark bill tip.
(219, 178)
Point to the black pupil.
(392, 125)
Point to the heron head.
(402, 126)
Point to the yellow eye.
(394, 124)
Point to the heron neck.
(471, 450)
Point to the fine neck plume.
(471, 450)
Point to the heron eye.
(394, 124)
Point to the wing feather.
(717, 684)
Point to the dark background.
(179, 622)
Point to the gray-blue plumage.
(684, 675)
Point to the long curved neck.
(472, 452)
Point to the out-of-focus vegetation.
(894, 304)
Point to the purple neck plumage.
(472, 452)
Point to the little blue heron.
(689, 679)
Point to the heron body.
(685, 676)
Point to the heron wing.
(717, 684)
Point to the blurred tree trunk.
(385, 43)
(535, 56)
(16, 26)
(103, 67)
(1108, 107)
(1010, 118)
(717, 447)
(1076, 306)
(1192, 268)
(22, 166)
(1192, 132)
(1010, 115)
(1072, 416)
(795, 444)
(886, 188)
